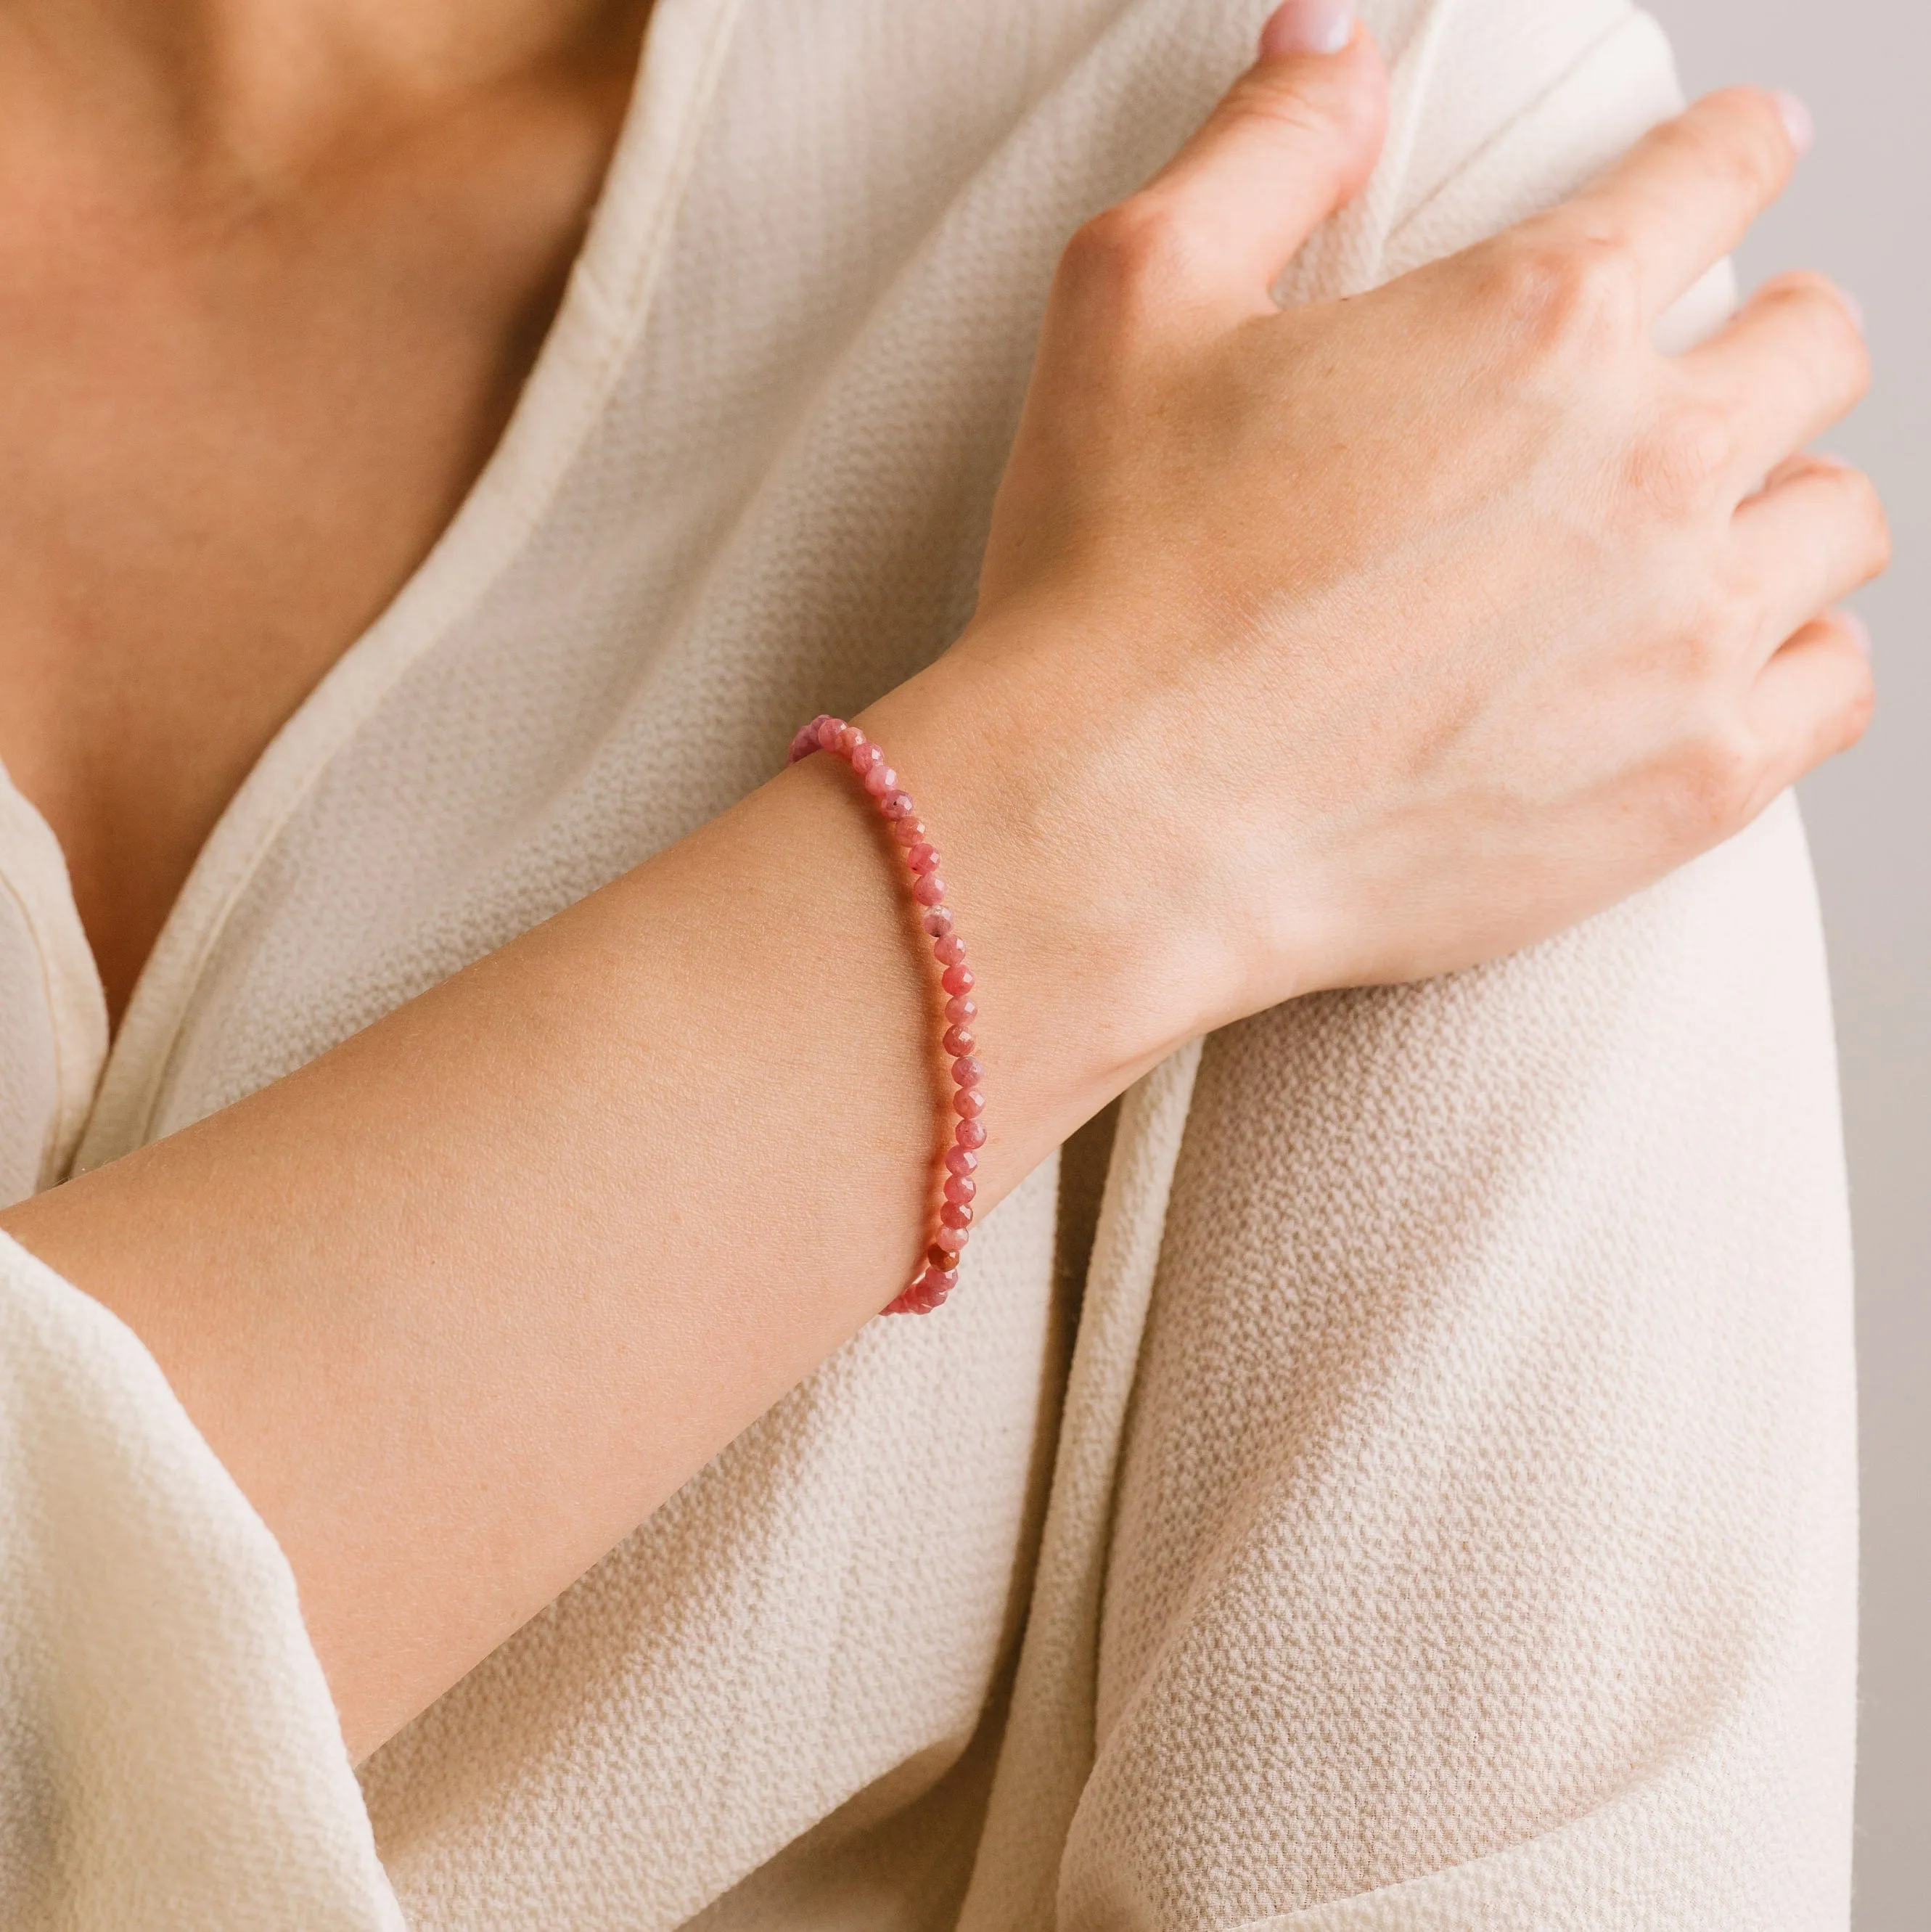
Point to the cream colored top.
(1445, 1517)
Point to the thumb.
(1294, 137)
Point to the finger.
(1295, 136)
(1813, 698)
(1684, 195)
(1800, 464)
(1785, 367)
(1807, 540)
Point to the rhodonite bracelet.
(952, 1226)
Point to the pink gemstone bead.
(939, 1273)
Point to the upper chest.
(226, 439)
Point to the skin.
(270, 278)
(462, 1302)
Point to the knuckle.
(1714, 780)
(1873, 523)
(1859, 706)
(1721, 613)
(1677, 467)
(1831, 335)
(1319, 119)
(1569, 293)
(1306, 117)
(1135, 247)
(1856, 526)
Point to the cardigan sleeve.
(1483, 1552)
(169, 1756)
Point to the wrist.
(1090, 971)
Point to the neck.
(261, 90)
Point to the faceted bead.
(938, 921)
(958, 1040)
(969, 1102)
(848, 741)
(960, 1160)
(942, 1257)
(923, 858)
(829, 729)
(958, 979)
(967, 1072)
(879, 780)
(908, 831)
(955, 1214)
(894, 805)
(950, 950)
(943, 1281)
(865, 756)
(969, 1133)
(961, 1187)
(804, 744)
(961, 1009)
(929, 891)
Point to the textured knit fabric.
(1439, 1515)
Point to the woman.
(1474, 1539)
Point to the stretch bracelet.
(951, 1227)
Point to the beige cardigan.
(1444, 1519)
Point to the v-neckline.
(108, 1092)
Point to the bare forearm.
(461, 1303)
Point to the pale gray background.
(1861, 210)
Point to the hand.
(1365, 640)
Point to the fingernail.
(1308, 27)
(1796, 119)
(1861, 631)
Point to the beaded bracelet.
(939, 1270)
